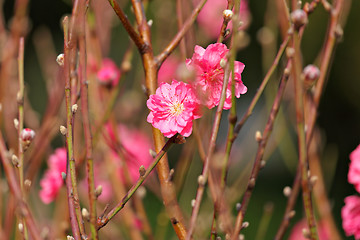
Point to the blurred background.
(339, 113)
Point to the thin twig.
(260, 153)
(103, 220)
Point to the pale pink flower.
(135, 146)
(168, 69)
(354, 168)
(350, 215)
(173, 108)
(27, 134)
(52, 180)
(297, 231)
(210, 18)
(109, 73)
(210, 75)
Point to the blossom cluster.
(350, 213)
(174, 106)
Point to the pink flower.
(168, 69)
(350, 215)
(135, 147)
(52, 180)
(354, 168)
(173, 108)
(211, 17)
(210, 75)
(108, 74)
(297, 231)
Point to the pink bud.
(299, 18)
(27, 134)
(108, 74)
(311, 74)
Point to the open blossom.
(210, 18)
(354, 168)
(109, 73)
(52, 180)
(135, 146)
(173, 108)
(210, 75)
(350, 215)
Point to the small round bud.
(223, 63)
(262, 163)
(241, 237)
(306, 233)
(311, 73)
(152, 153)
(238, 206)
(16, 123)
(252, 182)
(299, 18)
(74, 108)
(218, 238)
(142, 170)
(245, 225)
(287, 191)
(258, 136)
(85, 213)
(226, 33)
(339, 32)
(27, 134)
(98, 191)
(68, 237)
(21, 227)
(63, 130)
(63, 176)
(286, 72)
(313, 180)
(227, 13)
(27, 183)
(171, 175)
(292, 214)
(15, 160)
(150, 22)
(60, 59)
(141, 192)
(290, 52)
(201, 180)
(193, 203)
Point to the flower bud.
(299, 18)
(227, 13)
(60, 59)
(142, 170)
(26, 136)
(74, 108)
(311, 73)
(98, 191)
(63, 130)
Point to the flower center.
(176, 109)
(212, 74)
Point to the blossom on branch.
(354, 168)
(52, 180)
(350, 215)
(173, 108)
(210, 75)
(109, 73)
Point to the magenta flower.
(210, 75)
(354, 168)
(135, 146)
(108, 74)
(52, 180)
(350, 215)
(173, 108)
(210, 18)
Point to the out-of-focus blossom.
(109, 73)
(135, 146)
(173, 108)
(350, 215)
(168, 69)
(297, 231)
(210, 75)
(211, 16)
(52, 180)
(354, 168)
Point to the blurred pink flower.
(210, 75)
(173, 108)
(354, 168)
(52, 180)
(350, 215)
(297, 231)
(211, 17)
(135, 148)
(109, 73)
(168, 69)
